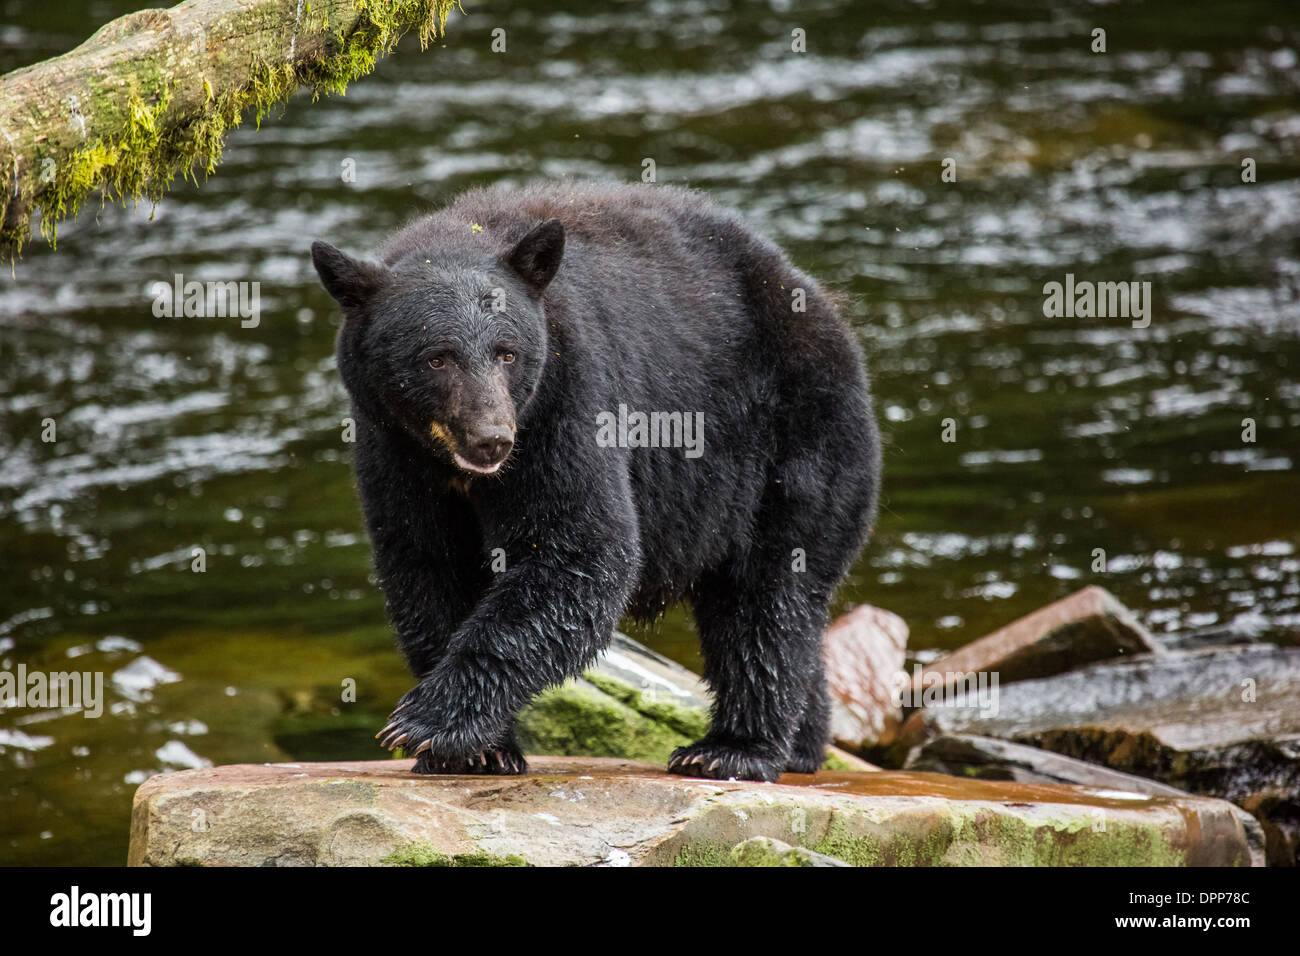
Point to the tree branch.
(151, 95)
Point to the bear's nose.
(491, 443)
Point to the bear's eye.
(507, 357)
(437, 362)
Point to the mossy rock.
(633, 703)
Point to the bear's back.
(611, 214)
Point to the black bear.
(579, 402)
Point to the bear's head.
(447, 345)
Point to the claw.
(387, 730)
(713, 764)
(396, 739)
(422, 748)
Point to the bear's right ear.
(351, 282)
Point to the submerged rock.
(864, 651)
(1087, 626)
(607, 812)
(1219, 721)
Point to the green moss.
(691, 722)
(703, 854)
(761, 852)
(581, 719)
(980, 836)
(152, 148)
(749, 853)
(421, 854)
(858, 851)
(755, 856)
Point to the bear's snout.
(485, 448)
(491, 443)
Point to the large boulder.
(609, 812)
(1088, 625)
(864, 651)
(1219, 721)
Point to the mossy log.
(150, 95)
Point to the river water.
(1071, 434)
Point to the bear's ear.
(352, 283)
(536, 257)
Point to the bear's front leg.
(544, 618)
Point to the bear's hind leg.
(762, 647)
(809, 750)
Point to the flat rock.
(1218, 721)
(1087, 626)
(864, 651)
(610, 812)
(987, 758)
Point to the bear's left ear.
(536, 257)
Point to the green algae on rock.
(421, 854)
(631, 703)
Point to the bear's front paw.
(720, 760)
(418, 726)
(506, 760)
(409, 726)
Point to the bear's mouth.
(466, 465)
(443, 435)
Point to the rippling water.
(1071, 434)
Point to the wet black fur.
(662, 301)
